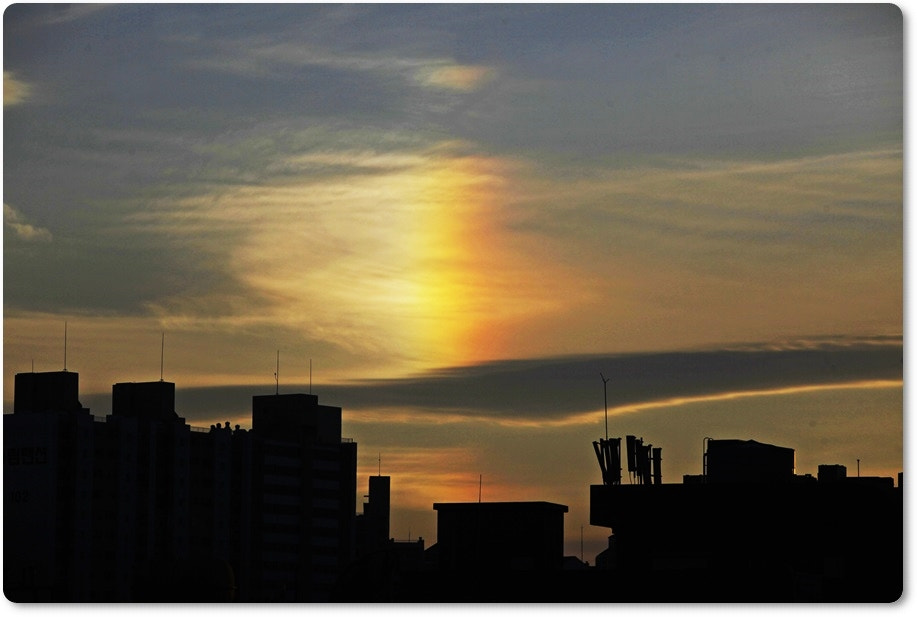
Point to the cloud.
(24, 230)
(247, 198)
(552, 389)
(693, 80)
(776, 207)
(64, 13)
(15, 91)
(377, 250)
(568, 390)
(456, 77)
(262, 59)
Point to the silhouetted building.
(142, 485)
(507, 535)
(302, 500)
(372, 526)
(112, 510)
(751, 531)
(497, 552)
(48, 490)
(832, 473)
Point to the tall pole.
(162, 354)
(605, 388)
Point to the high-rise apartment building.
(142, 506)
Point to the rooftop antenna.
(162, 353)
(65, 344)
(277, 375)
(605, 388)
(310, 375)
(480, 486)
(858, 468)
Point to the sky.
(455, 221)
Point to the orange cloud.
(728, 396)
(15, 91)
(457, 77)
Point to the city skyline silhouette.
(737, 391)
(139, 506)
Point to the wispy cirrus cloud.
(15, 220)
(357, 245)
(259, 58)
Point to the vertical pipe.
(657, 465)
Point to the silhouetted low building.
(753, 534)
(505, 536)
(485, 552)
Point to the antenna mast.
(480, 486)
(310, 378)
(162, 353)
(605, 388)
(277, 375)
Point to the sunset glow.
(451, 220)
